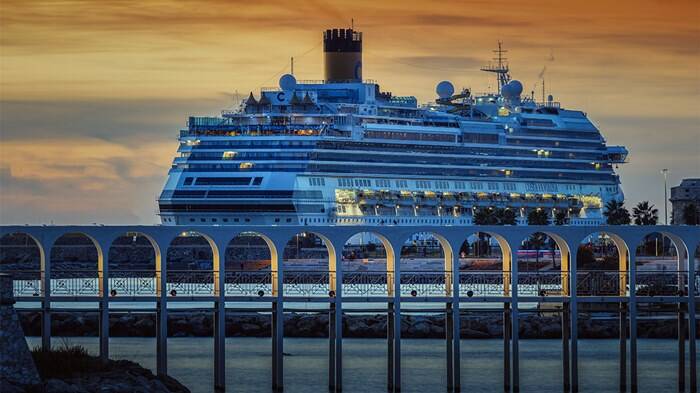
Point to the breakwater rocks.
(114, 376)
(200, 324)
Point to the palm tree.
(561, 218)
(537, 217)
(690, 214)
(616, 213)
(505, 217)
(645, 214)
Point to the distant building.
(687, 193)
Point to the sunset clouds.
(92, 93)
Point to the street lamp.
(665, 173)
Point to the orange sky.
(92, 93)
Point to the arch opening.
(250, 263)
(192, 262)
(484, 265)
(22, 257)
(543, 265)
(602, 265)
(661, 262)
(76, 266)
(426, 265)
(308, 266)
(368, 265)
(133, 263)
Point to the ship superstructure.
(341, 151)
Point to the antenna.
(292, 65)
(500, 68)
(352, 23)
(543, 90)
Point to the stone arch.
(655, 276)
(135, 278)
(596, 274)
(13, 259)
(546, 277)
(188, 276)
(270, 253)
(425, 274)
(75, 279)
(297, 242)
(415, 241)
(371, 279)
(478, 274)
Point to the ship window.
(235, 220)
(246, 165)
(214, 220)
(277, 220)
(203, 219)
(257, 181)
(229, 155)
(289, 220)
(225, 219)
(191, 219)
(247, 220)
(188, 181)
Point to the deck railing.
(307, 283)
(426, 283)
(191, 283)
(367, 283)
(249, 283)
(601, 283)
(134, 283)
(543, 283)
(484, 283)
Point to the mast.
(500, 67)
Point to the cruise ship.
(342, 151)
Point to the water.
(248, 363)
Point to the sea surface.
(248, 364)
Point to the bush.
(65, 362)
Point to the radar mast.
(500, 67)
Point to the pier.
(449, 290)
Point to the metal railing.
(134, 283)
(375, 283)
(426, 283)
(191, 283)
(484, 283)
(661, 283)
(308, 283)
(26, 283)
(543, 283)
(75, 283)
(249, 283)
(601, 283)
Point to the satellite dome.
(507, 90)
(516, 86)
(288, 82)
(550, 98)
(444, 89)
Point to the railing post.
(633, 320)
(220, 322)
(162, 314)
(46, 300)
(456, 320)
(623, 347)
(278, 328)
(396, 336)
(692, 322)
(573, 317)
(338, 321)
(515, 323)
(104, 304)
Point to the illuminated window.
(246, 165)
(229, 155)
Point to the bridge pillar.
(692, 321)
(573, 319)
(395, 325)
(515, 324)
(623, 347)
(452, 331)
(46, 292)
(566, 359)
(506, 346)
(220, 320)
(631, 263)
(278, 316)
(162, 312)
(104, 302)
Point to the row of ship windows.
(445, 185)
(386, 147)
(312, 220)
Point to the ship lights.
(229, 155)
(246, 165)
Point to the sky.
(93, 93)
